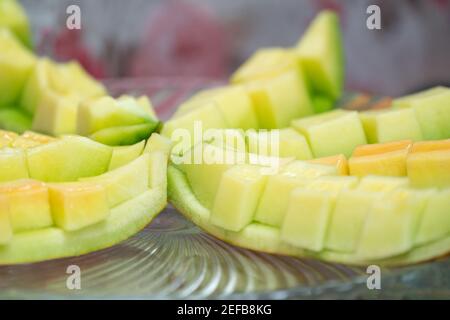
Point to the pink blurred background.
(208, 39)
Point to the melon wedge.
(13, 164)
(122, 155)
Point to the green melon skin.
(268, 239)
(124, 135)
(13, 119)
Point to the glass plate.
(172, 258)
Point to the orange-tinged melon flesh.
(428, 165)
(28, 203)
(31, 139)
(339, 161)
(386, 159)
(6, 231)
(77, 205)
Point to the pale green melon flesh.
(50, 243)
(265, 238)
(16, 120)
(124, 154)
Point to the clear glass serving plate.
(172, 258)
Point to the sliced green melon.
(6, 231)
(237, 197)
(76, 205)
(274, 200)
(13, 164)
(124, 154)
(14, 119)
(13, 17)
(321, 55)
(307, 216)
(267, 63)
(126, 182)
(126, 135)
(28, 204)
(432, 109)
(16, 64)
(280, 99)
(391, 125)
(332, 133)
(68, 159)
(382, 184)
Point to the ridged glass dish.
(172, 258)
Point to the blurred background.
(210, 38)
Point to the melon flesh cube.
(182, 131)
(391, 125)
(124, 135)
(143, 102)
(338, 161)
(382, 184)
(156, 160)
(306, 208)
(76, 205)
(275, 197)
(391, 224)
(14, 119)
(321, 55)
(228, 139)
(386, 159)
(290, 144)
(13, 164)
(124, 154)
(28, 204)
(237, 197)
(332, 133)
(406, 101)
(432, 111)
(13, 17)
(68, 159)
(106, 112)
(233, 101)
(157, 142)
(124, 183)
(347, 219)
(307, 216)
(7, 138)
(6, 231)
(16, 64)
(435, 222)
(429, 169)
(280, 99)
(266, 63)
(31, 139)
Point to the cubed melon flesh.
(308, 212)
(229, 139)
(233, 101)
(382, 184)
(126, 182)
(237, 197)
(435, 221)
(347, 219)
(432, 109)
(15, 119)
(280, 99)
(331, 133)
(281, 143)
(157, 142)
(68, 159)
(13, 164)
(7, 138)
(266, 63)
(428, 164)
(14, 18)
(391, 125)
(122, 155)
(321, 55)
(16, 64)
(391, 224)
(338, 161)
(385, 159)
(31, 139)
(76, 205)
(28, 204)
(274, 200)
(124, 135)
(106, 112)
(6, 231)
